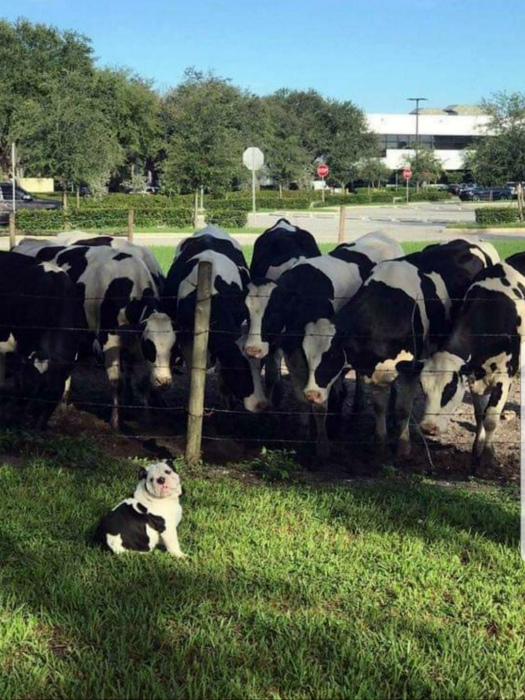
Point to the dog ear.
(143, 474)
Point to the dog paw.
(179, 555)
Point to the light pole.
(417, 100)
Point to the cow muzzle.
(430, 428)
(255, 352)
(314, 396)
(161, 382)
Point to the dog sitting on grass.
(149, 517)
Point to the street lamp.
(417, 100)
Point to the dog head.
(161, 480)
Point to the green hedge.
(229, 218)
(497, 215)
(42, 221)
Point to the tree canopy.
(501, 157)
(79, 123)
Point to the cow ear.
(409, 368)
(143, 474)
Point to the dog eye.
(168, 471)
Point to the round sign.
(323, 170)
(407, 173)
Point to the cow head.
(157, 342)
(443, 384)
(325, 357)
(264, 321)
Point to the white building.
(447, 131)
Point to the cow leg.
(497, 401)
(322, 446)
(380, 396)
(406, 391)
(111, 351)
(299, 375)
(359, 394)
(272, 375)
(2, 370)
(480, 402)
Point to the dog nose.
(161, 480)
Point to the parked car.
(476, 194)
(23, 200)
(456, 188)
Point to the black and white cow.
(293, 314)
(483, 352)
(275, 251)
(238, 376)
(405, 308)
(39, 322)
(122, 309)
(279, 248)
(121, 244)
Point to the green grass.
(366, 590)
(472, 225)
(165, 254)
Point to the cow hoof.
(403, 449)
(322, 450)
(488, 460)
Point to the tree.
(372, 169)
(132, 106)
(349, 141)
(32, 60)
(287, 159)
(500, 156)
(425, 165)
(66, 135)
(203, 143)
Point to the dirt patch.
(233, 437)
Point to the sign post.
(253, 159)
(323, 170)
(407, 174)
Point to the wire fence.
(169, 408)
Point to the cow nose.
(261, 406)
(162, 382)
(313, 396)
(429, 428)
(253, 351)
(161, 480)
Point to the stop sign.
(407, 173)
(323, 170)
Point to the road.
(423, 221)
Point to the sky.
(376, 53)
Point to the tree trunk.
(78, 198)
(280, 190)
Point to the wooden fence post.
(198, 363)
(341, 236)
(12, 230)
(131, 225)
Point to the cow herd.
(446, 318)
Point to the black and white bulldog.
(149, 517)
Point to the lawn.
(377, 589)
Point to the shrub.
(102, 217)
(497, 215)
(229, 218)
